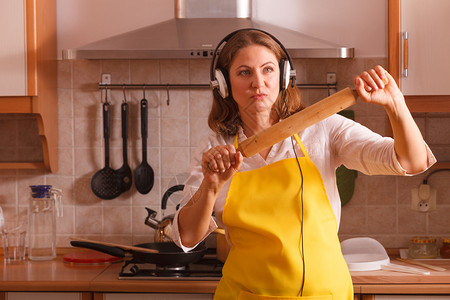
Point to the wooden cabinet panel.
(426, 23)
(42, 296)
(431, 94)
(13, 75)
(38, 98)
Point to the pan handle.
(114, 251)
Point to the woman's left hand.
(377, 86)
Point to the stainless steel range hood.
(197, 28)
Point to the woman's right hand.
(220, 163)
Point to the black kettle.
(163, 228)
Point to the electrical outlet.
(423, 198)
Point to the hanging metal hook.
(168, 95)
(124, 95)
(106, 97)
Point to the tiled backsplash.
(379, 207)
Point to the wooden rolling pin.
(121, 246)
(297, 122)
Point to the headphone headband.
(219, 77)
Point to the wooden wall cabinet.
(426, 88)
(37, 93)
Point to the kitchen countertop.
(59, 276)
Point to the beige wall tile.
(88, 133)
(119, 70)
(153, 198)
(174, 132)
(65, 223)
(382, 220)
(86, 74)
(8, 195)
(175, 71)
(353, 220)
(65, 103)
(65, 133)
(411, 222)
(65, 162)
(199, 71)
(64, 74)
(117, 220)
(88, 220)
(178, 104)
(199, 130)
(381, 190)
(174, 160)
(144, 71)
(200, 102)
(87, 104)
(438, 221)
(404, 187)
(83, 194)
(437, 130)
(88, 161)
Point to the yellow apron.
(263, 215)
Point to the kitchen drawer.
(139, 296)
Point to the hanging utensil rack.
(128, 86)
(331, 88)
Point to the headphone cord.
(283, 95)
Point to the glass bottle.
(445, 249)
(423, 248)
(45, 205)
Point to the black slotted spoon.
(124, 173)
(143, 175)
(105, 183)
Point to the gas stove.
(208, 268)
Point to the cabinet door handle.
(405, 54)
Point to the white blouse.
(330, 143)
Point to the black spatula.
(124, 173)
(144, 176)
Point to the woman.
(281, 207)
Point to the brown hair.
(224, 118)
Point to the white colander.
(364, 254)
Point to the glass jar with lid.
(423, 248)
(445, 249)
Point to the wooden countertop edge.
(155, 286)
(45, 286)
(422, 288)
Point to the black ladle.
(105, 183)
(124, 173)
(144, 176)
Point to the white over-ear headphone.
(220, 83)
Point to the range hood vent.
(197, 28)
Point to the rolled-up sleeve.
(359, 148)
(190, 188)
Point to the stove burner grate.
(205, 269)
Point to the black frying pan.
(169, 255)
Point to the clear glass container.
(423, 248)
(445, 249)
(45, 205)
